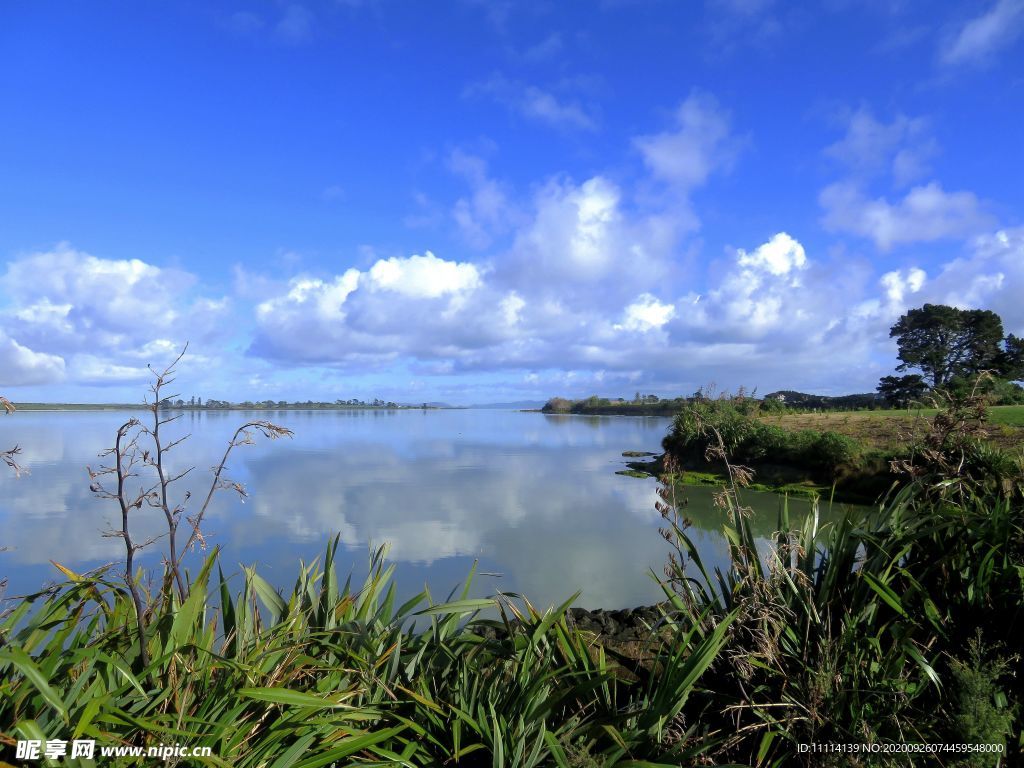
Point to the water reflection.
(533, 497)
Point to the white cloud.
(487, 212)
(779, 256)
(536, 103)
(21, 366)
(64, 301)
(899, 284)
(582, 238)
(900, 148)
(762, 293)
(924, 214)
(422, 306)
(646, 313)
(990, 276)
(983, 36)
(422, 277)
(699, 144)
(511, 307)
(89, 369)
(765, 312)
(574, 232)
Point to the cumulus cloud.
(420, 305)
(21, 366)
(779, 256)
(65, 301)
(646, 313)
(989, 275)
(580, 242)
(926, 213)
(761, 293)
(899, 290)
(582, 265)
(574, 229)
(592, 284)
(768, 304)
(980, 38)
(535, 103)
(422, 277)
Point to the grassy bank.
(850, 455)
(898, 626)
(888, 430)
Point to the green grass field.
(884, 430)
(1012, 415)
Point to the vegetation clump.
(640, 405)
(752, 441)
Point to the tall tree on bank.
(946, 343)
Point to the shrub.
(747, 439)
(830, 450)
(1006, 393)
(981, 712)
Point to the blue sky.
(477, 201)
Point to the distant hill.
(841, 403)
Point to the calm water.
(534, 498)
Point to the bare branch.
(7, 457)
(242, 436)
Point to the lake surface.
(533, 497)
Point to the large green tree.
(946, 343)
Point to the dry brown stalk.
(129, 457)
(7, 457)
(126, 458)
